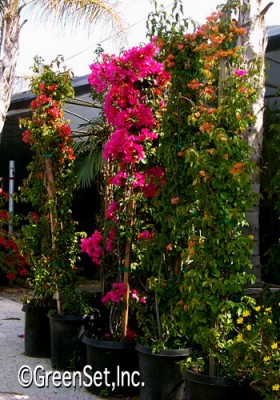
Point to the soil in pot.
(160, 373)
(37, 342)
(113, 367)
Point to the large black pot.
(160, 373)
(67, 349)
(205, 387)
(37, 342)
(116, 363)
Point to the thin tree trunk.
(252, 18)
(9, 47)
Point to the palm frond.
(88, 166)
(89, 162)
(86, 12)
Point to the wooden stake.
(127, 261)
(51, 194)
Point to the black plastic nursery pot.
(205, 387)
(160, 373)
(67, 349)
(112, 367)
(37, 341)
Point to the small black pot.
(161, 374)
(205, 387)
(37, 341)
(67, 349)
(116, 363)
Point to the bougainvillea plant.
(133, 85)
(50, 239)
(12, 261)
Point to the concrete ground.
(12, 358)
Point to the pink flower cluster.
(240, 72)
(111, 211)
(133, 85)
(93, 246)
(124, 79)
(145, 235)
(116, 294)
(136, 296)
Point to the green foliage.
(270, 201)
(49, 237)
(253, 350)
(199, 214)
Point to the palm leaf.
(86, 12)
(89, 162)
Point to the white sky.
(78, 47)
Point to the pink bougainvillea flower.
(145, 235)
(92, 246)
(110, 240)
(110, 212)
(241, 72)
(119, 179)
(143, 300)
(116, 294)
(134, 294)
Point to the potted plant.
(67, 330)
(208, 170)
(133, 85)
(49, 238)
(162, 335)
(14, 261)
(253, 350)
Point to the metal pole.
(11, 189)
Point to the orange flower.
(202, 173)
(218, 39)
(206, 127)
(194, 84)
(160, 42)
(169, 247)
(237, 168)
